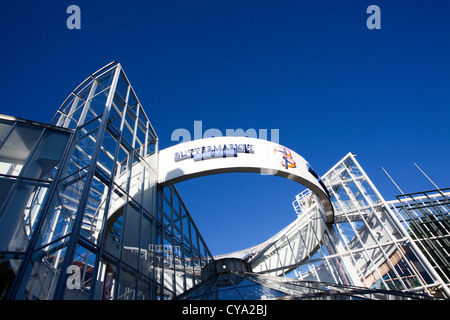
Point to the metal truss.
(368, 245)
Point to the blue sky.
(311, 69)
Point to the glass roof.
(231, 286)
(250, 286)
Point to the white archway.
(209, 156)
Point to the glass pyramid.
(236, 285)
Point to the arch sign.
(208, 156)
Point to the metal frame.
(374, 252)
(77, 237)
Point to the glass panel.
(160, 204)
(68, 105)
(342, 172)
(83, 94)
(115, 116)
(178, 267)
(140, 138)
(353, 168)
(357, 194)
(226, 294)
(197, 268)
(127, 284)
(105, 286)
(360, 227)
(346, 231)
(167, 215)
(9, 264)
(137, 181)
(122, 86)
(73, 114)
(149, 189)
(194, 237)
(128, 127)
(83, 147)
(97, 105)
(151, 145)
(187, 237)
(176, 216)
(167, 193)
(158, 250)
(343, 198)
(107, 152)
(114, 232)
(147, 246)
(168, 257)
(331, 179)
(5, 127)
(145, 289)
(59, 219)
(122, 167)
(176, 203)
(168, 251)
(47, 155)
(16, 148)
(114, 223)
(167, 295)
(369, 192)
(258, 292)
(131, 234)
(132, 102)
(203, 250)
(18, 220)
(93, 216)
(105, 80)
(178, 255)
(80, 275)
(6, 184)
(42, 274)
(188, 267)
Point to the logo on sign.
(214, 151)
(287, 161)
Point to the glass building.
(368, 243)
(79, 214)
(82, 217)
(400, 246)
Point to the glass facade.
(397, 246)
(368, 245)
(425, 216)
(88, 225)
(372, 242)
(30, 155)
(182, 252)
